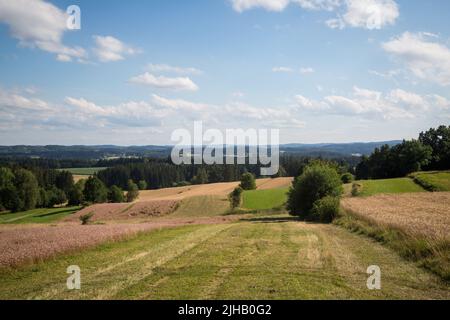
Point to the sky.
(135, 71)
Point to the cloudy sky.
(318, 70)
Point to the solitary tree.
(133, 191)
(317, 182)
(248, 181)
(235, 198)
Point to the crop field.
(400, 185)
(265, 199)
(172, 245)
(216, 189)
(261, 258)
(433, 181)
(37, 215)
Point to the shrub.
(326, 209)
(248, 181)
(316, 182)
(235, 198)
(347, 178)
(356, 189)
(86, 218)
(115, 195)
(133, 191)
(142, 185)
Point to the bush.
(326, 209)
(133, 191)
(347, 178)
(115, 195)
(86, 218)
(317, 181)
(248, 181)
(235, 198)
(142, 185)
(356, 189)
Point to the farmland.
(281, 258)
(433, 181)
(264, 199)
(182, 243)
(37, 215)
(399, 185)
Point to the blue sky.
(318, 70)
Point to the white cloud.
(172, 69)
(396, 104)
(38, 24)
(306, 70)
(371, 14)
(162, 82)
(15, 101)
(367, 14)
(270, 5)
(111, 49)
(282, 69)
(425, 58)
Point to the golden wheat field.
(421, 214)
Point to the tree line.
(431, 151)
(24, 189)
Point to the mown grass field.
(264, 199)
(433, 181)
(37, 215)
(272, 257)
(400, 185)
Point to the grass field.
(400, 185)
(202, 206)
(83, 171)
(264, 199)
(433, 181)
(267, 258)
(37, 215)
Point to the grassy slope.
(264, 199)
(281, 258)
(400, 185)
(37, 215)
(202, 206)
(435, 181)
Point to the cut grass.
(202, 206)
(37, 215)
(264, 199)
(84, 171)
(267, 258)
(400, 185)
(433, 181)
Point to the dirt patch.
(424, 214)
(125, 211)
